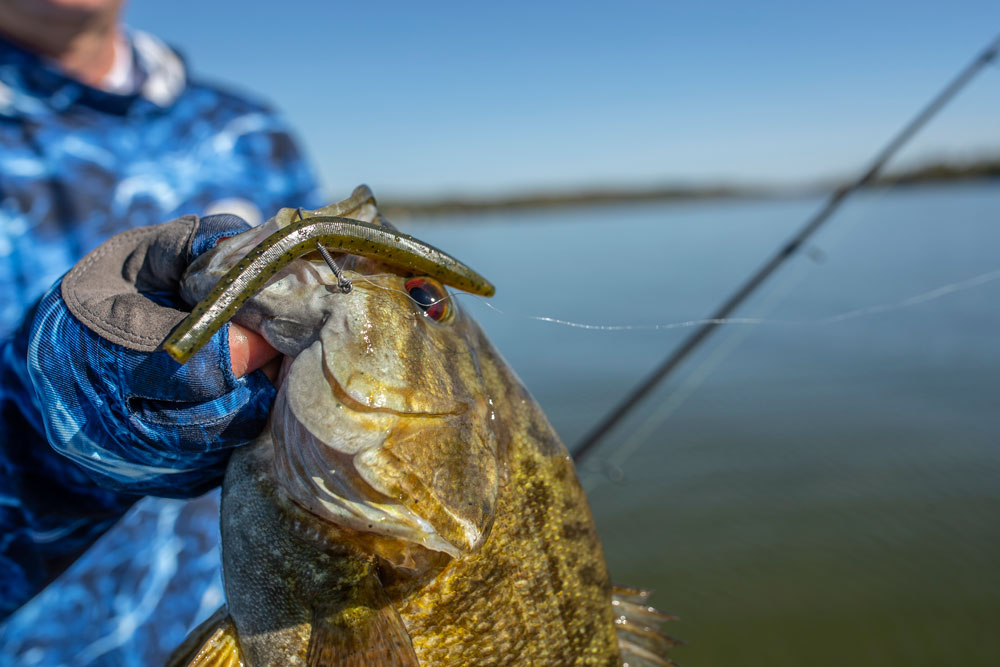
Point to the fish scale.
(409, 503)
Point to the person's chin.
(66, 9)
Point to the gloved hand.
(117, 405)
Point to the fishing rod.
(835, 201)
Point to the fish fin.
(641, 641)
(211, 644)
(360, 637)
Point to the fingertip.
(239, 350)
(272, 370)
(248, 350)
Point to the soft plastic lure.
(251, 274)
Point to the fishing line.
(916, 299)
(923, 297)
(833, 203)
(684, 324)
(423, 305)
(612, 468)
(864, 311)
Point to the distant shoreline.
(931, 173)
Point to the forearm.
(136, 422)
(50, 511)
(95, 415)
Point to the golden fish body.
(410, 504)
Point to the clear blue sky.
(425, 99)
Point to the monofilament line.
(854, 313)
(835, 201)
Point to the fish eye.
(431, 296)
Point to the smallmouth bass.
(409, 503)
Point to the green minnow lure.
(252, 273)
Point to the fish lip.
(354, 404)
(335, 474)
(325, 482)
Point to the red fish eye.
(430, 296)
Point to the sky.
(422, 100)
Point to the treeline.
(940, 172)
(943, 172)
(559, 198)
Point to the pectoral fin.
(211, 644)
(359, 637)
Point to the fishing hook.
(343, 284)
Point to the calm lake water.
(818, 486)
(821, 488)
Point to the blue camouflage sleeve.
(103, 426)
(50, 510)
(106, 426)
(139, 422)
(88, 427)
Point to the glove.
(110, 399)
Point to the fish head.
(383, 428)
(383, 425)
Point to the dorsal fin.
(211, 644)
(640, 639)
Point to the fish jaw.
(420, 464)
(382, 427)
(396, 478)
(318, 472)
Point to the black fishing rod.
(836, 200)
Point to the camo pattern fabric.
(78, 165)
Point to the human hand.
(248, 351)
(112, 400)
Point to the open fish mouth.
(325, 482)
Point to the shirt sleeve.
(89, 427)
(50, 510)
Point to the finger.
(248, 350)
(272, 369)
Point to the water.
(801, 492)
(810, 490)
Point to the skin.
(79, 35)
(248, 351)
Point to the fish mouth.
(350, 402)
(244, 277)
(326, 482)
(340, 461)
